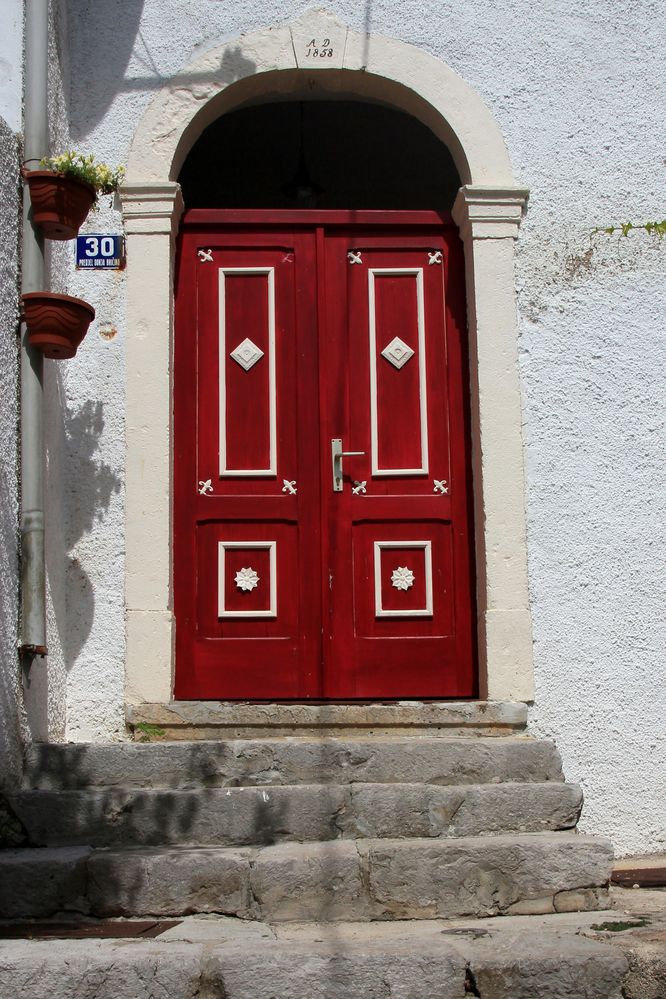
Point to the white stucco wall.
(10, 700)
(578, 93)
(11, 77)
(593, 363)
(93, 498)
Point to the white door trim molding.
(488, 210)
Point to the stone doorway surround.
(279, 63)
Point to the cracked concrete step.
(253, 815)
(338, 880)
(202, 959)
(292, 761)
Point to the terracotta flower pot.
(56, 323)
(59, 204)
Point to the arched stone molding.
(273, 61)
(271, 64)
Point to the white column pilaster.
(151, 213)
(488, 218)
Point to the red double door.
(300, 571)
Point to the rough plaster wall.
(91, 389)
(578, 92)
(10, 699)
(593, 363)
(11, 49)
(593, 360)
(94, 429)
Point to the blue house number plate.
(97, 250)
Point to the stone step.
(292, 761)
(507, 959)
(370, 879)
(238, 816)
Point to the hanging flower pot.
(59, 204)
(64, 191)
(56, 323)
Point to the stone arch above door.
(382, 68)
(268, 65)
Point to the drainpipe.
(33, 592)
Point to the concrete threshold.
(194, 720)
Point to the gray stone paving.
(549, 957)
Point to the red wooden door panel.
(246, 527)
(400, 614)
(284, 587)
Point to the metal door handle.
(337, 454)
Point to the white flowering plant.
(104, 179)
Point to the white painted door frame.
(488, 210)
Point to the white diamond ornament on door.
(397, 352)
(247, 354)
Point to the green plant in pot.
(64, 190)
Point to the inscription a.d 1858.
(321, 49)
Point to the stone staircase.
(327, 852)
(300, 828)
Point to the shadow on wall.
(114, 28)
(233, 66)
(90, 485)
